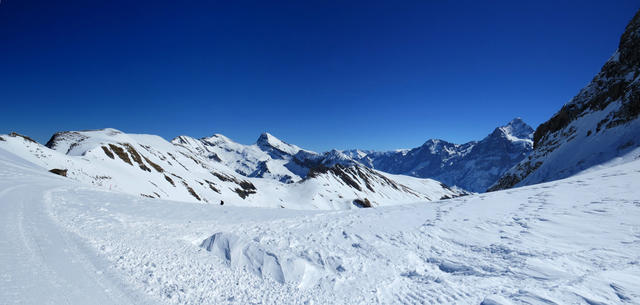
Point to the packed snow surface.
(572, 241)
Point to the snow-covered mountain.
(473, 166)
(598, 125)
(270, 173)
(571, 241)
(269, 157)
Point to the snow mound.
(251, 257)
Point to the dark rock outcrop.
(58, 171)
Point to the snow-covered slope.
(598, 125)
(473, 166)
(572, 241)
(268, 158)
(144, 165)
(216, 170)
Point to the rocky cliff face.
(596, 126)
(473, 166)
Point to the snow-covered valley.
(570, 241)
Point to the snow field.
(571, 241)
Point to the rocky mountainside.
(269, 157)
(270, 173)
(598, 125)
(473, 166)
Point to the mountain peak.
(266, 137)
(217, 139)
(335, 156)
(516, 121)
(268, 142)
(435, 142)
(517, 128)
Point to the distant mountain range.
(473, 166)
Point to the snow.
(266, 140)
(518, 130)
(472, 166)
(571, 241)
(40, 261)
(580, 147)
(207, 171)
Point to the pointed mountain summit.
(518, 129)
(269, 143)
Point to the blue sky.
(319, 74)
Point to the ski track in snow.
(573, 241)
(41, 263)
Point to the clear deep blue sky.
(320, 74)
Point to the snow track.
(41, 263)
(574, 241)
